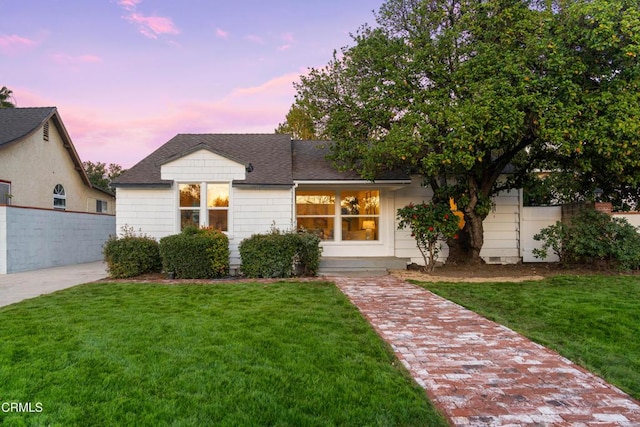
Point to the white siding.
(154, 212)
(501, 227)
(151, 211)
(405, 245)
(256, 210)
(535, 219)
(502, 230)
(201, 166)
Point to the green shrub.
(593, 237)
(277, 254)
(131, 255)
(309, 253)
(196, 253)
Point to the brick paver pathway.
(480, 373)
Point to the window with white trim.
(214, 212)
(339, 215)
(59, 197)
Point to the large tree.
(298, 123)
(6, 98)
(462, 91)
(100, 175)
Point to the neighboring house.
(46, 196)
(246, 184)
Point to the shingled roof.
(268, 154)
(310, 164)
(16, 123)
(274, 159)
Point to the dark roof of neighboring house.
(310, 164)
(274, 159)
(268, 156)
(18, 123)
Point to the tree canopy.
(6, 98)
(462, 91)
(298, 124)
(100, 175)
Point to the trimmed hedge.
(131, 256)
(196, 254)
(278, 254)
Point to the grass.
(282, 354)
(592, 320)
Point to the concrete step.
(361, 265)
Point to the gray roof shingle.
(268, 154)
(16, 123)
(275, 160)
(310, 164)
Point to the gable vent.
(45, 131)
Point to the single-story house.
(50, 214)
(247, 184)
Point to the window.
(316, 211)
(189, 205)
(215, 213)
(218, 206)
(358, 214)
(59, 198)
(5, 193)
(101, 206)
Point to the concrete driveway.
(16, 287)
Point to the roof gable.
(16, 124)
(266, 156)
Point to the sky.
(128, 75)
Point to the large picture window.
(339, 215)
(214, 213)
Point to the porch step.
(361, 266)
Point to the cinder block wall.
(41, 238)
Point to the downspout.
(294, 223)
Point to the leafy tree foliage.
(100, 175)
(462, 91)
(298, 124)
(6, 98)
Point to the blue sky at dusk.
(127, 75)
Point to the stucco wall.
(35, 166)
(36, 238)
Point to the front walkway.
(480, 373)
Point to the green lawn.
(282, 354)
(592, 320)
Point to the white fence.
(536, 218)
(31, 238)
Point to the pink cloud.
(153, 26)
(288, 37)
(14, 44)
(129, 4)
(222, 33)
(284, 47)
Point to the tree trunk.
(466, 248)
